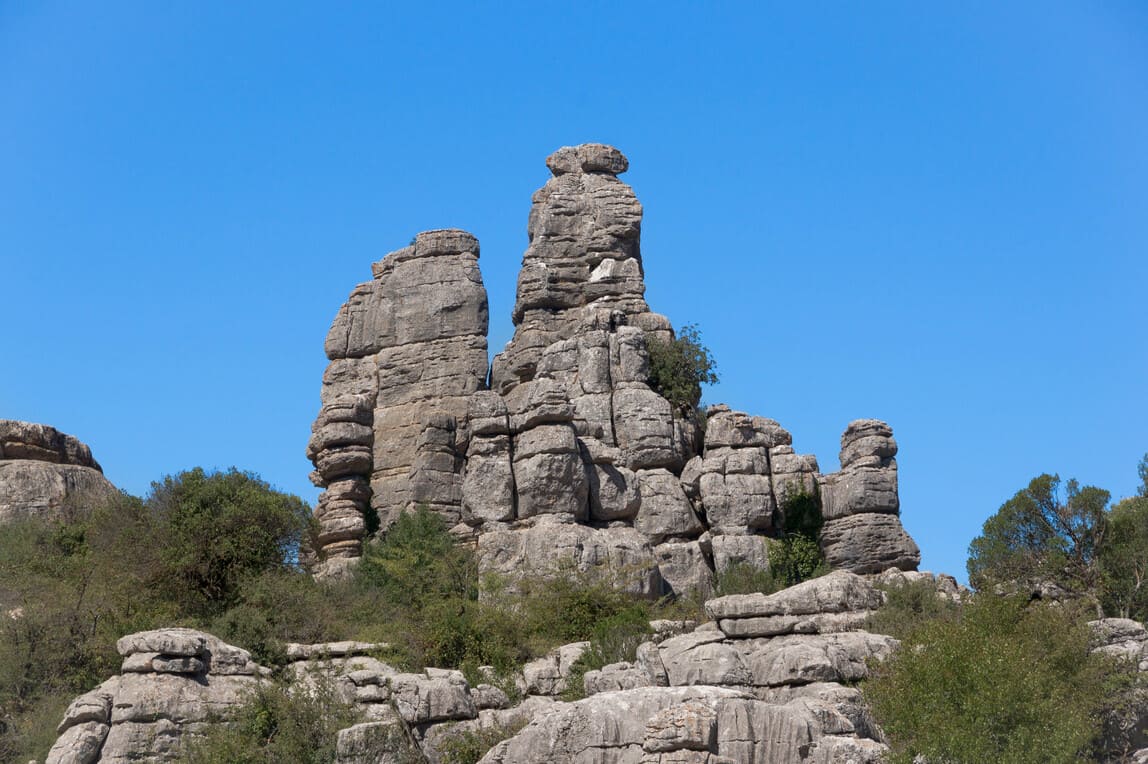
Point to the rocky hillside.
(561, 449)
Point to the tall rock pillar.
(407, 350)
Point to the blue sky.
(934, 215)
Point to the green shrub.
(679, 368)
(1006, 682)
(418, 561)
(219, 529)
(910, 606)
(615, 638)
(794, 559)
(279, 723)
(743, 578)
(468, 746)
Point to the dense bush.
(910, 606)
(1006, 681)
(280, 723)
(679, 368)
(218, 530)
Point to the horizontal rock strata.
(47, 474)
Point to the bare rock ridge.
(561, 453)
(45, 473)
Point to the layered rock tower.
(563, 453)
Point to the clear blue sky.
(933, 215)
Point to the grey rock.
(488, 488)
(684, 568)
(376, 742)
(551, 547)
(836, 592)
(79, 744)
(407, 344)
(703, 657)
(744, 550)
(802, 659)
(615, 676)
(868, 543)
(607, 727)
(685, 726)
(863, 489)
(614, 493)
(47, 474)
(665, 511)
(420, 699)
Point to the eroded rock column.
(407, 350)
(863, 531)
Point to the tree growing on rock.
(679, 368)
(1039, 537)
(1124, 556)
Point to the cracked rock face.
(406, 351)
(45, 473)
(863, 531)
(565, 455)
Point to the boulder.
(47, 474)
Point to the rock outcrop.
(863, 531)
(45, 473)
(172, 685)
(771, 680)
(565, 457)
(406, 351)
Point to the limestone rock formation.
(863, 531)
(406, 351)
(565, 457)
(173, 683)
(771, 680)
(45, 473)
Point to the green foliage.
(795, 559)
(470, 745)
(679, 368)
(743, 578)
(908, 607)
(279, 723)
(1037, 536)
(1005, 682)
(614, 638)
(219, 529)
(417, 562)
(1124, 555)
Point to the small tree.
(1124, 556)
(217, 529)
(1038, 537)
(679, 368)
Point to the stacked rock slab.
(406, 351)
(172, 685)
(45, 473)
(567, 457)
(860, 504)
(585, 440)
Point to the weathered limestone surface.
(693, 693)
(173, 683)
(863, 531)
(45, 473)
(407, 350)
(566, 430)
